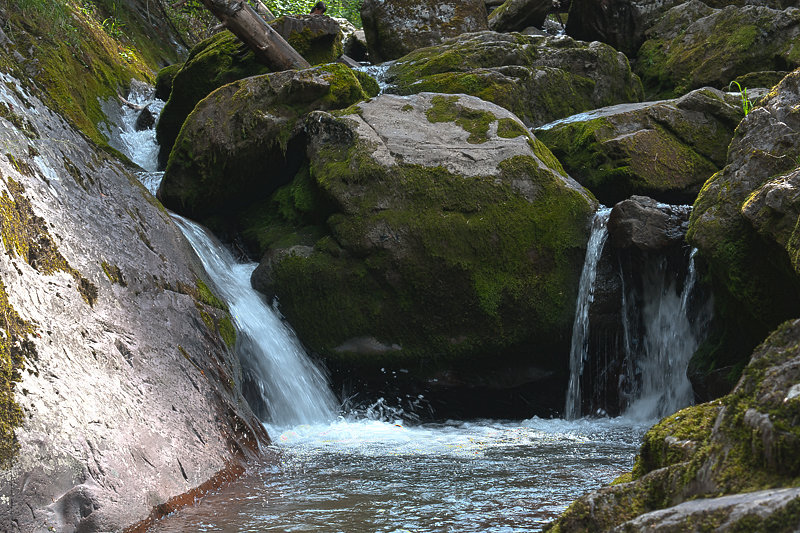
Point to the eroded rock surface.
(127, 381)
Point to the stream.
(375, 469)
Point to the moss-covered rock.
(448, 257)
(211, 64)
(164, 80)
(747, 441)
(755, 285)
(234, 148)
(665, 150)
(537, 78)
(395, 28)
(693, 45)
(317, 38)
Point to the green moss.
(113, 273)
(164, 79)
(473, 121)
(368, 83)
(25, 235)
(315, 47)
(15, 348)
(205, 295)
(213, 63)
(508, 128)
(227, 331)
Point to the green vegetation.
(348, 9)
(15, 348)
(747, 105)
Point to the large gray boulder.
(124, 395)
(693, 45)
(394, 28)
(446, 228)
(537, 78)
(665, 149)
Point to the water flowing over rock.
(693, 45)
(419, 194)
(643, 318)
(238, 145)
(539, 79)
(752, 267)
(128, 389)
(665, 149)
(396, 27)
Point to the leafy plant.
(348, 9)
(747, 105)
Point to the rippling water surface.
(366, 475)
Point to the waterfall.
(289, 388)
(283, 386)
(669, 339)
(580, 326)
(634, 364)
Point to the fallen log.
(269, 47)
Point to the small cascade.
(631, 349)
(285, 387)
(659, 385)
(580, 326)
(282, 385)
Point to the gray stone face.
(129, 394)
(394, 28)
(727, 513)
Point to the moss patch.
(15, 348)
(473, 121)
(25, 235)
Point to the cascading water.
(580, 326)
(286, 387)
(637, 364)
(670, 340)
(353, 473)
(290, 389)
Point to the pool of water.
(368, 476)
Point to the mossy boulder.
(665, 150)
(747, 441)
(693, 45)
(211, 64)
(164, 80)
(318, 38)
(236, 146)
(537, 78)
(750, 265)
(449, 250)
(516, 15)
(394, 28)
